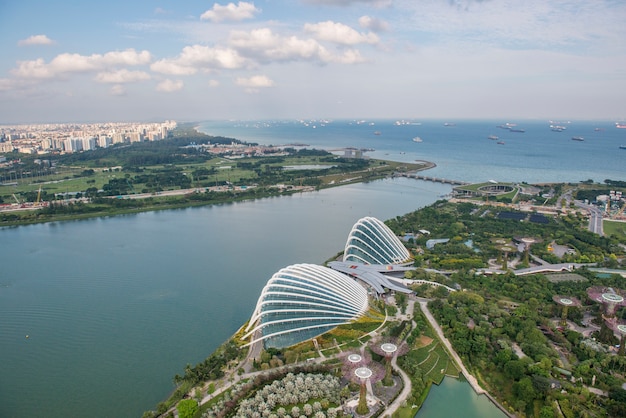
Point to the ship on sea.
(578, 138)
(512, 127)
(622, 147)
(620, 125)
(494, 137)
(417, 139)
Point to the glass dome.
(302, 301)
(372, 242)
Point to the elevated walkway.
(373, 275)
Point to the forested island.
(187, 169)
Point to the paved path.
(406, 391)
(470, 378)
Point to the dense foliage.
(505, 327)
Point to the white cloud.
(6, 84)
(231, 12)
(375, 3)
(36, 40)
(254, 84)
(170, 86)
(214, 83)
(64, 64)
(118, 90)
(196, 57)
(373, 24)
(265, 46)
(537, 24)
(122, 76)
(254, 81)
(339, 33)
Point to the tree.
(546, 412)
(524, 390)
(187, 408)
(515, 369)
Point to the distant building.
(105, 141)
(118, 138)
(134, 137)
(73, 145)
(89, 143)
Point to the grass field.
(78, 179)
(614, 228)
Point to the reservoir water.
(97, 316)
(467, 403)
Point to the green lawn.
(614, 228)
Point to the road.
(595, 217)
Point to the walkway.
(406, 391)
(470, 378)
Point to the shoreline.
(164, 205)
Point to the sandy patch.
(423, 341)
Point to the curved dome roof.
(372, 242)
(302, 301)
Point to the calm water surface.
(114, 307)
(466, 403)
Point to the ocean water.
(461, 150)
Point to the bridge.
(544, 268)
(435, 179)
(409, 281)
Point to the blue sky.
(166, 59)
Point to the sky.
(151, 60)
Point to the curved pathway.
(406, 391)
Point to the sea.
(462, 150)
(98, 315)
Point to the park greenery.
(506, 328)
(188, 169)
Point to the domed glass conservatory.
(372, 242)
(302, 301)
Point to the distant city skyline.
(151, 60)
